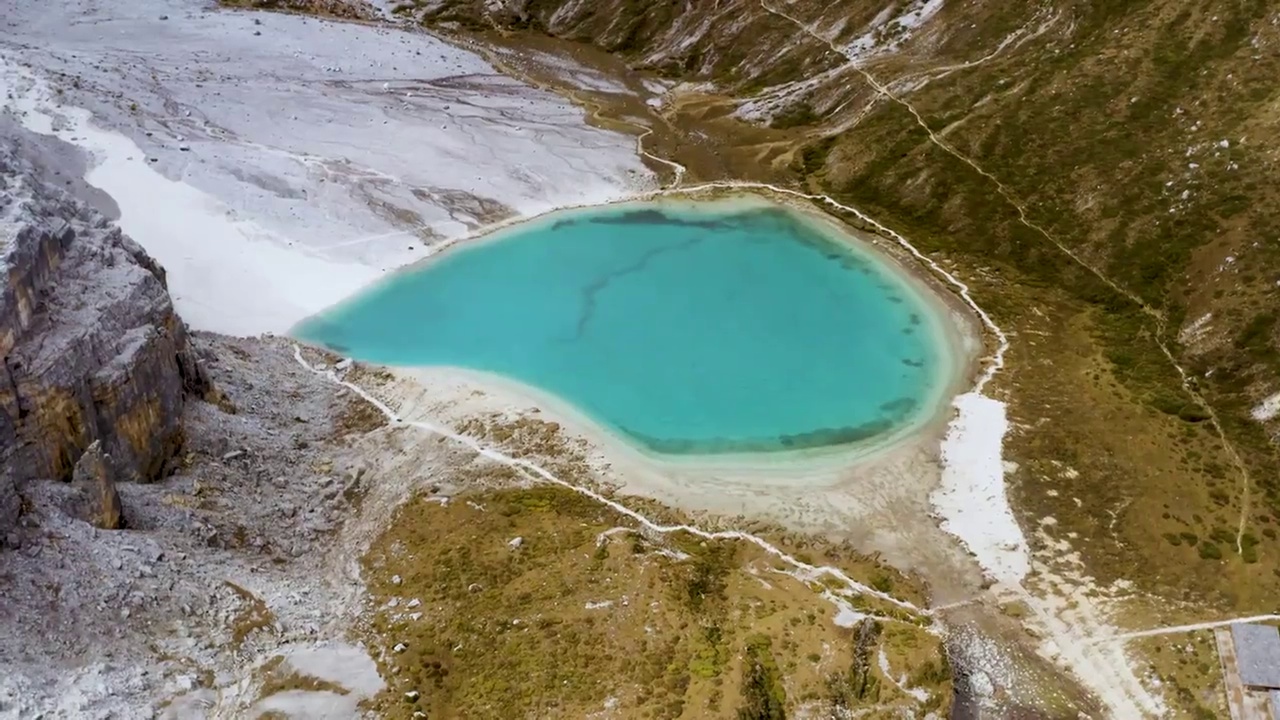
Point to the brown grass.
(254, 615)
(508, 633)
(277, 678)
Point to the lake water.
(691, 328)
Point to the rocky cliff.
(92, 349)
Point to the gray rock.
(92, 349)
(96, 500)
(10, 503)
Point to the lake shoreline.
(875, 494)
(950, 331)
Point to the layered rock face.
(92, 349)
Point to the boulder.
(95, 499)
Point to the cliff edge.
(91, 348)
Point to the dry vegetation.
(254, 615)
(652, 626)
(276, 676)
(1187, 667)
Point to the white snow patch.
(846, 616)
(1267, 409)
(920, 694)
(1194, 330)
(886, 33)
(598, 605)
(972, 500)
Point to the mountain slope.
(1105, 166)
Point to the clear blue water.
(692, 329)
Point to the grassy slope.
(1091, 138)
(716, 635)
(656, 626)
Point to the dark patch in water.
(895, 299)
(908, 331)
(657, 217)
(913, 363)
(914, 318)
(899, 407)
(822, 437)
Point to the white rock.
(344, 364)
(414, 603)
(515, 543)
(400, 647)
(412, 695)
(395, 580)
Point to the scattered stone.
(414, 603)
(396, 580)
(411, 696)
(232, 455)
(474, 588)
(399, 648)
(343, 364)
(515, 543)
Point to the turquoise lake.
(692, 328)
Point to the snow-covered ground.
(972, 499)
(275, 163)
(1268, 408)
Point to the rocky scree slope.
(93, 353)
(1101, 173)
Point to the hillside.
(1100, 173)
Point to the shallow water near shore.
(688, 328)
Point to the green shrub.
(763, 695)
